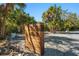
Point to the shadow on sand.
(55, 52)
(56, 40)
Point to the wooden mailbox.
(34, 38)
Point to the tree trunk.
(2, 28)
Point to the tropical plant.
(71, 22)
(52, 17)
(5, 11)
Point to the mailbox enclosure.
(34, 38)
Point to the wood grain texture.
(34, 38)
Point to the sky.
(36, 9)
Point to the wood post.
(34, 38)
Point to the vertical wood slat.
(34, 38)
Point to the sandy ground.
(54, 45)
(61, 44)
